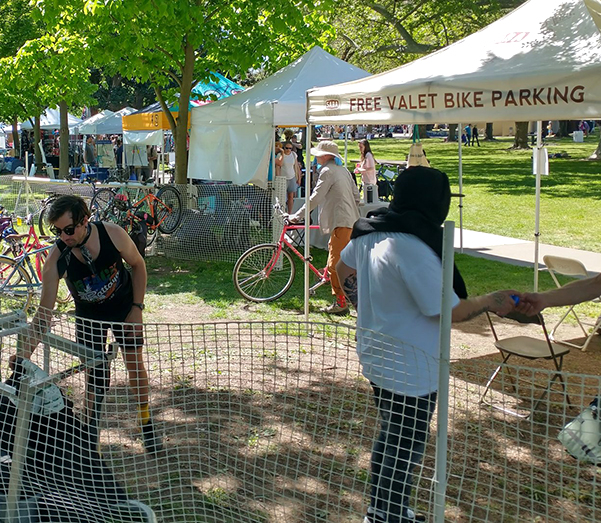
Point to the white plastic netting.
(273, 421)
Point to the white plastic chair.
(575, 269)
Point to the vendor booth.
(232, 139)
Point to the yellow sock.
(143, 413)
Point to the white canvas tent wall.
(224, 133)
(540, 62)
(50, 120)
(90, 125)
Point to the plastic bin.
(578, 136)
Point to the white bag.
(582, 436)
(417, 156)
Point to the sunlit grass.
(499, 187)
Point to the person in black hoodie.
(391, 272)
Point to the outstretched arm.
(570, 294)
(500, 302)
(43, 316)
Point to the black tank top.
(107, 295)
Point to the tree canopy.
(174, 44)
(382, 35)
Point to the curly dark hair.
(72, 203)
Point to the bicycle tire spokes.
(264, 273)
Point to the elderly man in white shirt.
(337, 196)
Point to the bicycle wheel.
(168, 211)
(43, 223)
(16, 290)
(260, 275)
(103, 207)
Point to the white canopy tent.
(105, 122)
(232, 139)
(540, 62)
(50, 120)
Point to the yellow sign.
(148, 121)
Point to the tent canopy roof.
(287, 88)
(50, 120)
(542, 61)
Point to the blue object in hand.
(515, 298)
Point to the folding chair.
(569, 267)
(529, 348)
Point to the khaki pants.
(338, 241)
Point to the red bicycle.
(266, 271)
(21, 246)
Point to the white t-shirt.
(399, 288)
(288, 165)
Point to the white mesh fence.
(219, 220)
(273, 421)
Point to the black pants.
(405, 424)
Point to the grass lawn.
(500, 187)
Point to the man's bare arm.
(500, 302)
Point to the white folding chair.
(575, 269)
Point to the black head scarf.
(420, 204)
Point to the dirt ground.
(267, 423)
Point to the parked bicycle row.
(139, 210)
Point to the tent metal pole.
(446, 312)
(346, 145)
(539, 168)
(308, 176)
(460, 172)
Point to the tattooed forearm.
(349, 286)
(474, 313)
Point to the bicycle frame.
(35, 272)
(151, 204)
(24, 262)
(323, 275)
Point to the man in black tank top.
(90, 256)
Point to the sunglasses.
(288, 148)
(69, 230)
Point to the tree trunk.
(597, 154)
(181, 129)
(452, 132)
(521, 136)
(488, 133)
(16, 143)
(63, 137)
(563, 129)
(37, 136)
(422, 131)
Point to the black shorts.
(93, 334)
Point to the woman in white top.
(367, 165)
(291, 170)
